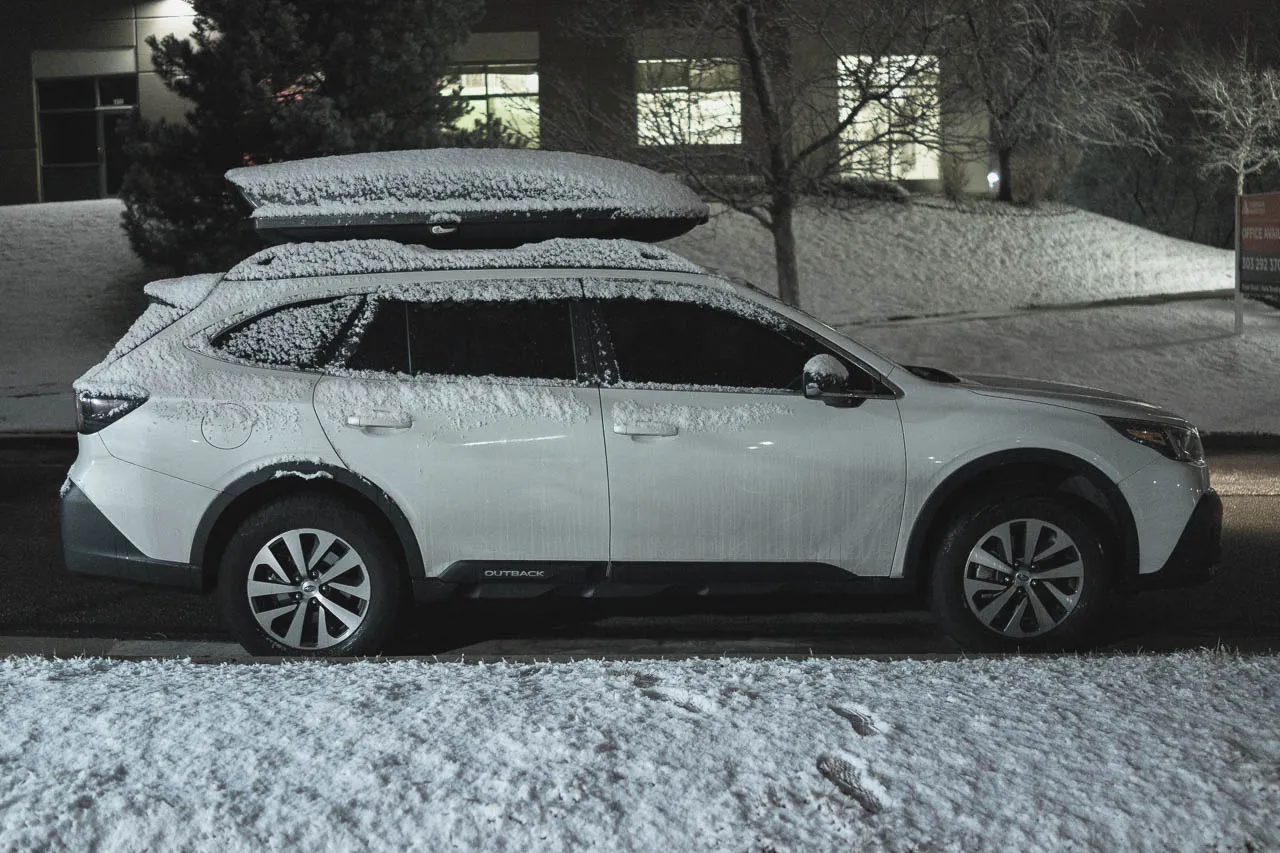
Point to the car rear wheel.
(1022, 573)
(309, 576)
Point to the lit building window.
(688, 102)
(506, 91)
(881, 142)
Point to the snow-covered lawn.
(886, 259)
(1180, 354)
(1159, 753)
(69, 287)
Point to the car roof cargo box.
(465, 198)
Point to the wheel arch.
(1055, 470)
(245, 495)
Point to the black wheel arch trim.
(915, 565)
(306, 471)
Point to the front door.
(716, 456)
(471, 415)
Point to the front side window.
(505, 91)
(519, 339)
(687, 343)
(301, 335)
(896, 98)
(688, 102)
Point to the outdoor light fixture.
(993, 179)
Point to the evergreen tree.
(272, 80)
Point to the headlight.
(1178, 443)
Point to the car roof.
(368, 257)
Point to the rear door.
(716, 457)
(472, 414)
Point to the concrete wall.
(44, 39)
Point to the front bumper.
(1198, 554)
(92, 545)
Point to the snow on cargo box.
(455, 198)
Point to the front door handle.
(646, 429)
(379, 420)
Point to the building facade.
(75, 69)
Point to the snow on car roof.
(359, 257)
(502, 192)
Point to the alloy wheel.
(308, 589)
(1023, 578)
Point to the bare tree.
(759, 104)
(1239, 109)
(1049, 73)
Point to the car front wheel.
(309, 576)
(1022, 573)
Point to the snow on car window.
(445, 182)
(290, 336)
(357, 257)
(696, 418)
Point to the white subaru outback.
(331, 430)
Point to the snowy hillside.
(887, 259)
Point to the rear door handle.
(646, 429)
(379, 420)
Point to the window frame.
(610, 376)
(694, 69)
(893, 147)
(482, 104)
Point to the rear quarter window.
(299, 335)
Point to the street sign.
(1258, 256)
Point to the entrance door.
(81, 150)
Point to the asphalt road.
(39, 598)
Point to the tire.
(989, 600)
(351, 608)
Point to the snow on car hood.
(1080, 397)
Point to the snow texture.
(441, 185)
(315, 475)
(707, 293)
(885, 259)
(461, 402)
(1147, 753)
(696, 418)
(294, 336)
(362, 257)
(185, 293)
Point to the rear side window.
(685, 343)
(301, 335)
(530, 339)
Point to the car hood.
(1080, 397)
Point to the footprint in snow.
(851, 782)
(861, 720)
(681, 699)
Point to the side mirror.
(826, 378)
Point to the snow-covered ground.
(1183, 355)
(887, 259)
(1161, 753)
(69, 287)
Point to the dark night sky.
(1215, 22)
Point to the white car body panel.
(530, 484)
(785, 480)
(162, 523)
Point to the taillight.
(96, 411)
